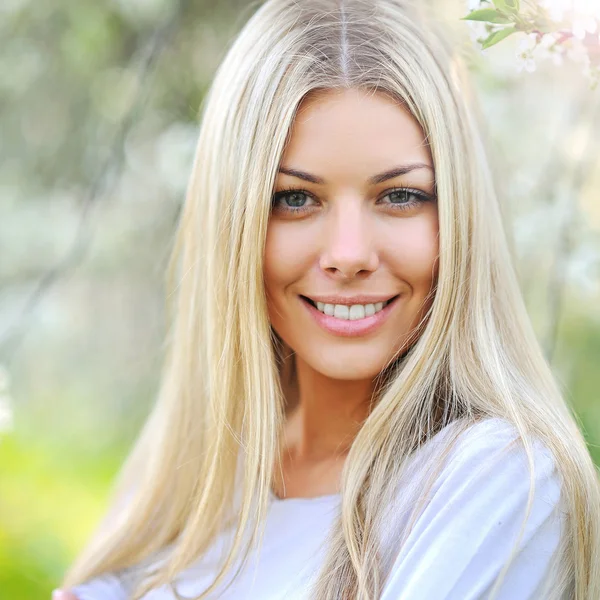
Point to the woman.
(353, 399)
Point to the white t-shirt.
(460, 542)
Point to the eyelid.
(415, 191)
(293, 189)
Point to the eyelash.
(422, 197)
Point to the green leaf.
(487, 14)
(507, 6)
(498, 36)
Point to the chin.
(348, 374)
(354, 366)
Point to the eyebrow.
(380, 178)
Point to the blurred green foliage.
(54, 498)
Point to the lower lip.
(347, 328)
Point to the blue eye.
(291, 200)
(405, 198)
(297, 201)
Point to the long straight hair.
(221, 405)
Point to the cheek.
(286, 258)
(413, 250)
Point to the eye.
(292, 200)
(405, 198)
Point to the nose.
(349, 249)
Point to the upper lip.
(350, 300)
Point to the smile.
(347, 312)
(349, 320)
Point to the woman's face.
(354, 225)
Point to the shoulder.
(471, 466)
(488, 465)
(486, 453)
(484, 502)
(492, 450)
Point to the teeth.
(356, 312)
(341, 311)
(350, 313)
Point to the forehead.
(354, 127)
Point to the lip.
(347, 328)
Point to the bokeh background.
(98, 118)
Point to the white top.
(458, 545)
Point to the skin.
(354, 238)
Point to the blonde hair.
(222, 398)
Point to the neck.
(328, 415)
